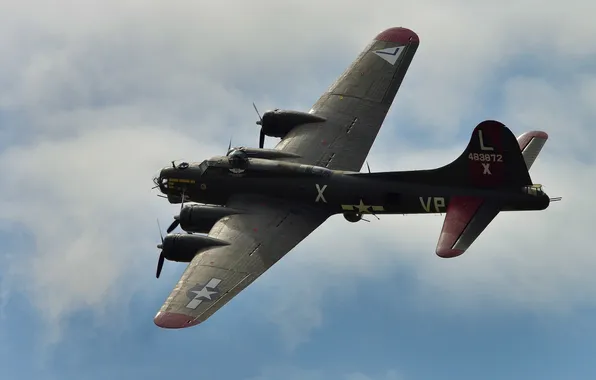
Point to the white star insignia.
(362, 208)
(205, 293)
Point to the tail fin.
(492, 159)
(468, 217)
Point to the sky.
(97, 96)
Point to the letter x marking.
(486, 167)
(320, 196)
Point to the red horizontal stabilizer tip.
(525, 138)
(460, 212)
(398, 34)
(173, 320)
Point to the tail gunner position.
(252, 206)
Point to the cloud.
(94, 100)
(81, 198)
(291, 373)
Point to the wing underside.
(269, 230)
(355, 105)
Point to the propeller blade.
(368, 166)
(261, 139)
(260, 122)
(174, 224)
(160, 234)
(159, 265)
(229, 146)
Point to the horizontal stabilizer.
(531, 144)
(465, 220)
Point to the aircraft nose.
(161, 179)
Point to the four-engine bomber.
(252, 206)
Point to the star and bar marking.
(362, 208)
(200, 293)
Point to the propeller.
(176, 221)
(156, 182)
(260, 122)
(174, 224)
(161, 255)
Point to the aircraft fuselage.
(334, 191)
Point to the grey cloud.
(89, 204)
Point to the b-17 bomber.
(243, 211)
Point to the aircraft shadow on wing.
(245, 210)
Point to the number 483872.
(485, 157)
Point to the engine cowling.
(268, 154)
(353, 217)
(183, 247)
(278, 123)
(200, 218)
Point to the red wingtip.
(174, 320)
(448, 253)
(398, 34)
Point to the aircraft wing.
(355, 107)
(270, 229)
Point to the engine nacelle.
(353, 217)
(268, 154)
(278, 123)
(175, 199)
(183, 247)
(200, 218)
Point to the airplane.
(249, 208)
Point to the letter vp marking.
(437, 202)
